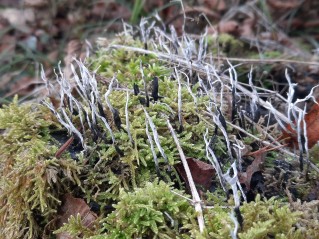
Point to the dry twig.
(196, 198)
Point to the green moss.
(30, 175)
(150, 212)
(126, 64)
(262, 219)
(76, 228)
(269, 219)
(218, 222)
(308, 223)
(227, 44)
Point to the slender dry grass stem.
(195, 195)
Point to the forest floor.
(35, 32)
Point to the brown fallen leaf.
(312, 23)
(219, 5)
(247, 27)
(195, 21)
(202, 172)
(110, 10)
(149, 6)
(24, 86)
(19, 19)
(312, 123)
(8, 45)
(36, 3)
(73, 50)
(230, 27)
(286, 5)
(4, 23)
(10, 3)
(255, 166)
(72, 206)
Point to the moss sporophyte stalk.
(107, 141)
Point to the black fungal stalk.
(155, 88)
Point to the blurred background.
(46, 32)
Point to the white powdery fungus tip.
(179, 98)
(108, 92)
(89, 108)
(210, 155)
(155, 135)
(150, 140)
(127, 119)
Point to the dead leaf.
(4, 23)
(6, 78)
(312, 123)
(74, 49)
(24, 86)
(72, 206)
(19, 18)
(230, 27)
(8, 45)
(76, 17)
(312, 23)
(10, 3)
(209, 13)
(255, 166)
(110, 10)
(149, 6)
(247, 27)
(52, 57)
(218, 5)
(202, 172)
(196, 19)
(284, 4)
(36, 3)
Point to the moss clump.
(308, 223)
(144, 214)
(153, 211)
(269, 219)
(126, 64)
(75, 228)
(30, 175)
(262, 219)
(218, 222)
